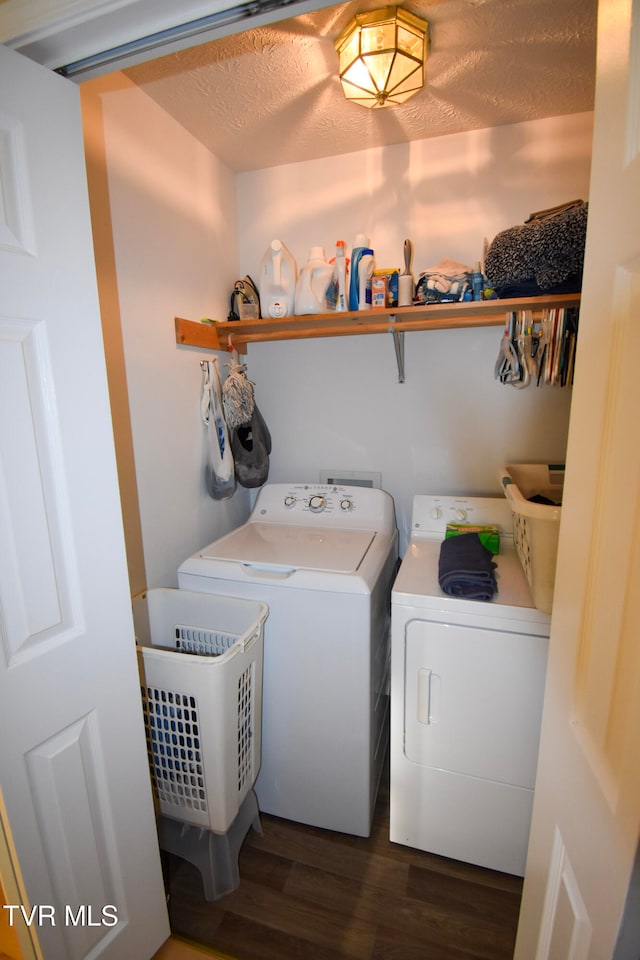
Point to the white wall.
(446, 193)
(174, 234)
(337, 403)
(180, 241)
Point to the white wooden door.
(587, 807)
(73, 769)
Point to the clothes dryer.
(323, 558)
(467, 684)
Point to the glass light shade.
(382, 55)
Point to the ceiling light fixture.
(382, 55)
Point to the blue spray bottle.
(477, 282)
(360, 249)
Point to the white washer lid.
(293, 547)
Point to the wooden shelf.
(236, 334)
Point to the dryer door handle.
(424, 695)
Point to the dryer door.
(473, 700)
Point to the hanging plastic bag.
(251, 445)
(219, 468)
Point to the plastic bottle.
(477, 282)
(342, 300)
(277, 281)
(365, 273)
(313, 280)
(360, 249)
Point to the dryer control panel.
(356, 508)
(432, 513)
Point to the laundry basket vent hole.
(522, 540)
(173, 746)
(246, 770)
(205, 643)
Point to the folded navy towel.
(465, 568)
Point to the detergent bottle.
(365, 274)
(313, 280)
(277, 281)
(361, 272)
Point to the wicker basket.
(536, 525)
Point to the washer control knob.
(346, 504)
(316, 503)
(290, 500)
(436, 513)
(461, 514)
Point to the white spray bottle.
(342, 298)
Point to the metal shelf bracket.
(398, 343)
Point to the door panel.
(565, 928)
(73, 767)
(37, 562)
(587, 806)
(67, 780)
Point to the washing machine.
(323, 558)
(467, 685)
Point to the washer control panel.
(316, 498)
(325, 504)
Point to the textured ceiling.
(271, 96)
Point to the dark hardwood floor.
(309, 894)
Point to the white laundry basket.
(536, 525)
(200, 658)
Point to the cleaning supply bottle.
(360, 249)
(340, 278)
(365, 273)
(477, 282)
(313, 280)
(277, 281)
